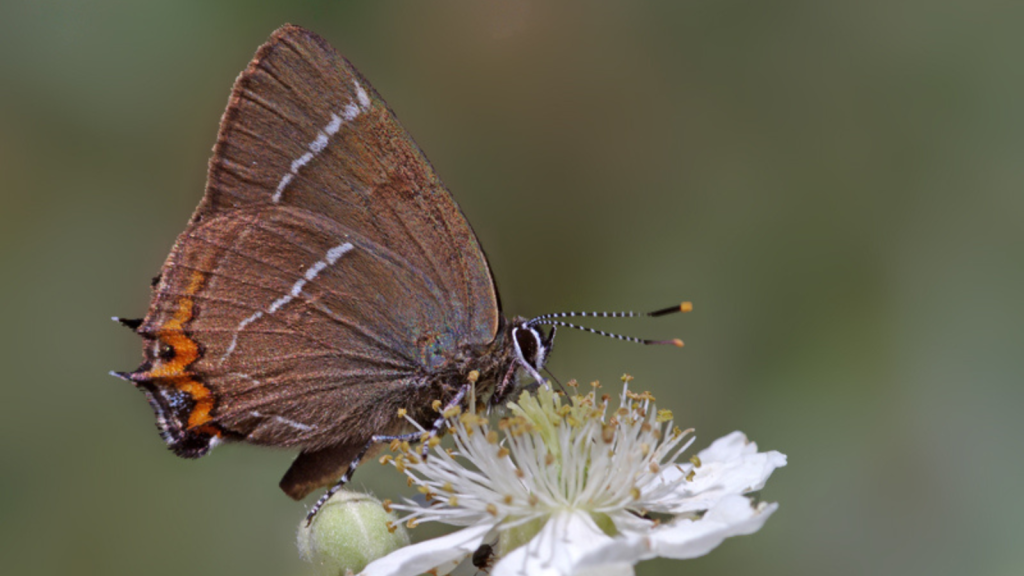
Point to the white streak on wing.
(311, 273)
(350, 112)
(286, 421)
(361, 95)
(302, 160)
(241, 325)
(323, 137)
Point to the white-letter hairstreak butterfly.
(326, 280)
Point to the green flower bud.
(350, 531)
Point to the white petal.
(444, 553)
(556, 550)
(733, 516)
(617, 569)
(730, 466)
(683, 538)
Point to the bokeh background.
(837, 186)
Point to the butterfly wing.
(326, 271)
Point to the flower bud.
(350, 531)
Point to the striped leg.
(347, 476)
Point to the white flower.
(572, 488)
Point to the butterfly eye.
(530, 346)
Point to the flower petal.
(730, 466)
(557, 549)
(733, 516)
(443, 553)
(684, 538)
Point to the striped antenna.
(550, 320)
(684, 307)
(673, 342)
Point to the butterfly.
(326, 281)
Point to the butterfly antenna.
(684, 307)
(552, 320)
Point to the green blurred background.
(837, 187)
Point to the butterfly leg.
(374, 440)
(435, 429)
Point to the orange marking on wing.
(186, 351)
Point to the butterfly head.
(532, 346)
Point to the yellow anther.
(508, 499)
(663, 416)
(447, 487)
(627, 378)
(453, 501)
(689, 477)
(655, 468)
(533, 500)
(436, 405)
(492, 437)
(387, 504)
(503, 452)
(549, 459)
(492, 509)
(695, 460)
(473, 376)
(608, 433)
(634, 492)
(402, 412)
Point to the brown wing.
(325, 271)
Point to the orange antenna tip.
(684, 307)
(677, 342)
